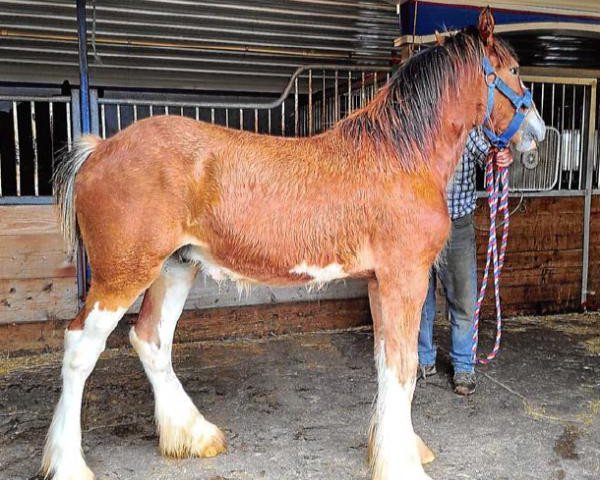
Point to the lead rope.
(497, 202)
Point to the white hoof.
(69, 470)
(195, 438)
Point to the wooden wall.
(36, 282)
(542, 272)
(543, 266)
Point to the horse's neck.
(460, 113)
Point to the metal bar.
(572, 143)
(103, 121)
(83, 68)
(310, 115)
(283, 119)
(241, 119)
(562, 129)
(552, 107)
(37, 98)
(269, 117)
(166, 109)
(336, 103)
(51, 130)
(34, 144)
(151, 111)
(1, 174)
(119, 117)
(296, 119)
(212, 115)
(135, 113)
(226, 117)
(323, 104)
(247, 105)
(256, 120)
(581, 140)
(363, 96)
(17, 149)
(587, 206)
(94, 111)
(558, 80)
(69, 140)
(349, 92)
(181, 111)
(84, 112)
(27, 200)
(197, 113)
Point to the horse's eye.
(514, 70)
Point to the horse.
(169, 196)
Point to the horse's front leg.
(396, 297)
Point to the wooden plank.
(208, 324)
(35, 300)
(27, 219)
(206, 293)
(39, 255)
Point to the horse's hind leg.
(183, 430)
(85, 339)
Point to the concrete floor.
(297, 407)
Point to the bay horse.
(169, 196)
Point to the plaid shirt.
(461, 190)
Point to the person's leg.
(427, 348)
(459, 276)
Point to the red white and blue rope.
(496, 186)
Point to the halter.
(522, 104)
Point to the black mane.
(405, 115)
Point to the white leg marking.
(63, 459)
(183, 430)
(394, 454)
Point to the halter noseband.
(522, 104)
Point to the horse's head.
(511, 116)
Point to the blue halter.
(522, 104)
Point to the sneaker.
(426, 371)
(464, 383)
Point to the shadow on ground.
(297, 407)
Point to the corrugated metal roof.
(248, 45)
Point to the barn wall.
(594, 276)
(542, 273)
(36, 283)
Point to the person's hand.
(504, 157)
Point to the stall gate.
(37, 284)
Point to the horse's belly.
(298, 273)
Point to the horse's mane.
(403, 119)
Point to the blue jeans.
(457, 270)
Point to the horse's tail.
(64, 185)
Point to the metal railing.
(313, 100)
(565, 104)
(32, 129)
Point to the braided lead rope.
(496, 185)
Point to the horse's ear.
(486, 26)
(439, 38)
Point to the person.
(457, 270)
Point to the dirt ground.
(297, 407)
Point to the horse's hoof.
(425, 453)
(198, 438)
(81, 472)
(213, 443)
